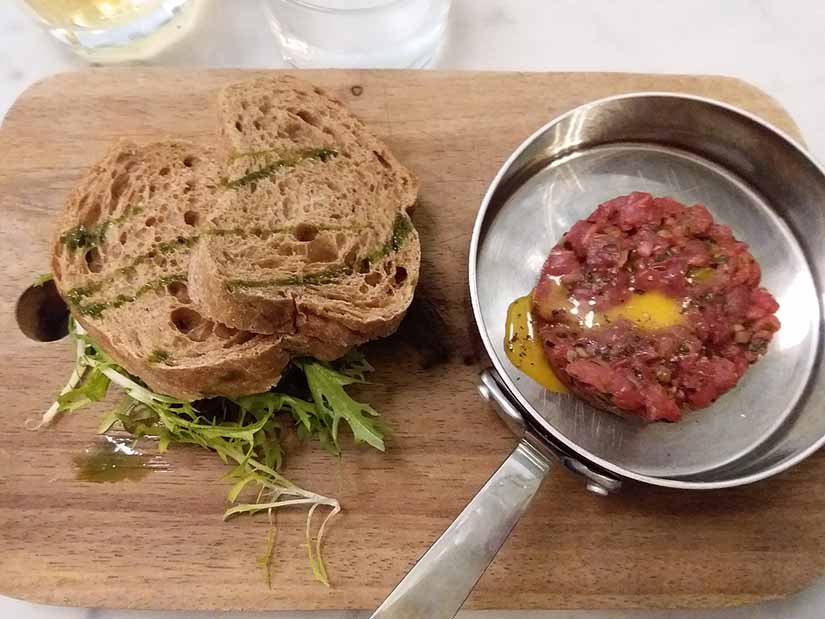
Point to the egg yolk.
(523, 348)
(649, 310)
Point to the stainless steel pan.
(751, 176)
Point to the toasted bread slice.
(121, 259)
(332, 258)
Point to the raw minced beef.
(635, 244)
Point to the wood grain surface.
(161, 543)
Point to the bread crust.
(271, 128)
(135, 252)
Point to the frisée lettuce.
(244, 432)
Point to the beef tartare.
(649, 308)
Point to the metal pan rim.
(525, 406)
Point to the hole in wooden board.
(42, 314)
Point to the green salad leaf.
(245, 432)
(42, 279)
(333, 404)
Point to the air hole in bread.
(269, 263)
(179, 291)
(91, 216)
(242, 338)
(152, 190)
(257, 124)
(305, 232)
(201, 331)
(94, 262)
(363, 288)
(238, 126)
(322, 249)
(381, 159)
(364, 266)
(400, 275)
(119, 185)
(230, 377)
(291, 130)
(164, 171)
(185, 319)
(189, 186)
(224, 332)
(373, 279)
(308, 117)
(189, 161)
(150, 221)
(123, 237)
(253, 187)
(190, 218)
(265, 107)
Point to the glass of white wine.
(116, 30)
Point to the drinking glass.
(116, 30)
(358, 33)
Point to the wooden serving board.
(160, 542)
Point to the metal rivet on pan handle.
(596, 482)
(491, 391)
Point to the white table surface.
(778, 45)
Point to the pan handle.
(436, 587)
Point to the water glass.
(358, 33)
(116, 30)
